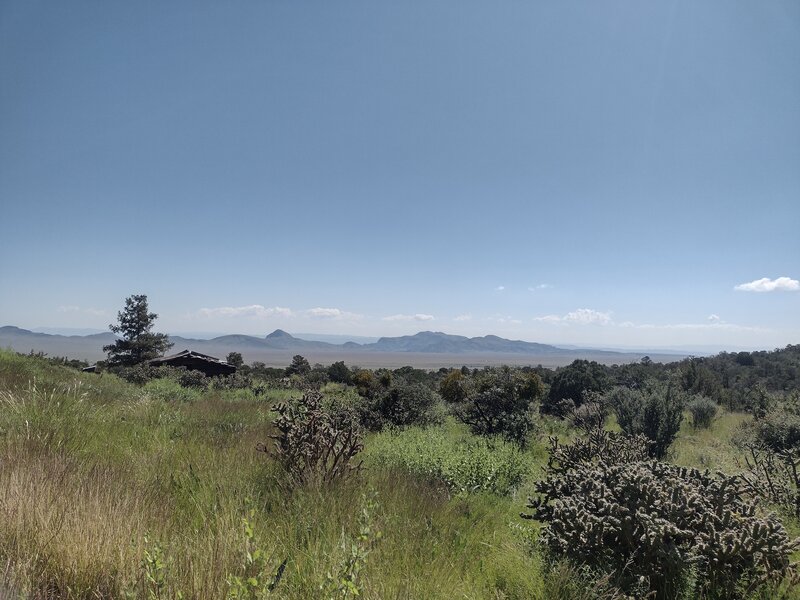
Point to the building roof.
(190, 354)
(195, 360)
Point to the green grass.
(710, 448)
(450, 456)
(97, 475)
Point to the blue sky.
(589, 172)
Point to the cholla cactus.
(774, 475)
(311, 445)
(673, 529)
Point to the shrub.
(142, 373)
(364, 380)
(316, 377)
(654, 527)
(571, 382)
(778, 427)
(591, 414)
(500, 402)
(235, 359)
(463, 464)
(234, 381)
(407, 404)
(656, 413)
(771, 443)
(193, 379)
(388, 400)
(339, 373)
(703, 411)
(452, 388)
(310, 445)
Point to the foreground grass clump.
(447, 454)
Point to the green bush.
(500, 402)
(234, 381)
(453, 387)
(571, 383)
(169, 390)
(393, 402)
(703, 411)
(655, 413)
(463, 463)
(771, 445)
(193, 379)
(657, 528)
(142, 373)
(778, 427)
(339, 373)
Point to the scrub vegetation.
(643, 480)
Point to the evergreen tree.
(138, 344)
(299, 366)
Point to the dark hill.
(279, 334)
(438, 342)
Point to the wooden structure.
(196, 362)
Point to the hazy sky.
(573, 172)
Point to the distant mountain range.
(279, 346)
(429, 342)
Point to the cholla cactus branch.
(773, 476)
(310, 445)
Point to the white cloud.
(331, 313)
(549, 319)
(541, 286)
(581, 316)
(499, 288)
(765, 284)
(252, 310)
(505, 319)
(416, 317)
(464, 317)
(586, 316)
(714, 319)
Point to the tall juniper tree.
(138, 343)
